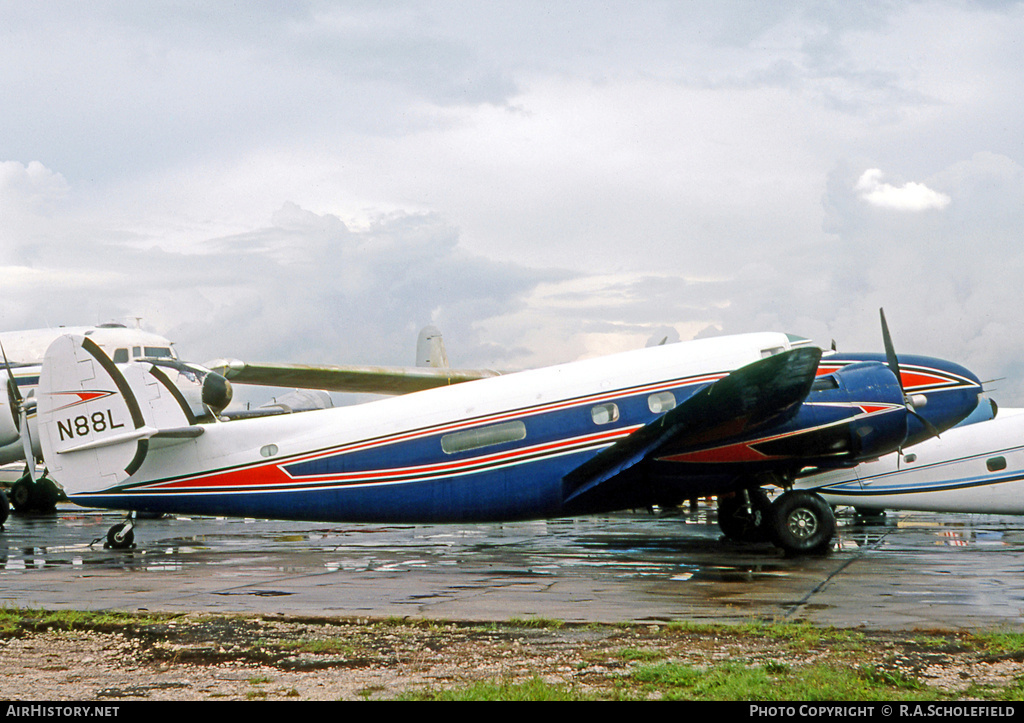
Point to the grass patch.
(1000, 643)
(771, 682)
(641, 655)
(537, 623)
(14, 620)
(533, 689)
(324, 646)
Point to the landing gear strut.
(797, 521)
(745, 515)
(122, 535)
(28, 495)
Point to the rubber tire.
(21, 495)
(803, 523)
(5, 508)
(741, 525)
(39, 496)
(114, 544)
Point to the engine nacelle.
(217, 392)
(856, 413)
(850, 415)
(10, 441)
(201, 390)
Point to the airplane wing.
(765, 392)
(362, 379)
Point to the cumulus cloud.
(908, 197)
(31, 187)
(543, 184)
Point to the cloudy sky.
(545, 181)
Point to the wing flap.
(764, 392)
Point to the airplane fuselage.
(493, 449)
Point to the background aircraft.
(653, 426)
(977, 468)
(22, 356)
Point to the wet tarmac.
(905, 571)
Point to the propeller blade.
(927, 425)
(890, 351)
(894, 367)
(19, 410)
(13, 393)
(26, 443)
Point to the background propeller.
(19, 410)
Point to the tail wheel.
(120, 537)
(803, 523)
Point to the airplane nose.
(941, 392)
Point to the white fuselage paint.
(239, 443)
(975, 468)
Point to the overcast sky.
(315, 181)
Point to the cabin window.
(910, 458)
(661, 402)
(268, 450)
(483, 437)
(994, 464)
(605, 413)
(120, 356)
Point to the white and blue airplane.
(973, 468)
(653, 426)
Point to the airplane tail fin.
(430, 351)
(97, 421)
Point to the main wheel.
(21, 495)
(5, 508)
(41, 495)
(803, 523)
(745, 522)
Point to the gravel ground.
(235, 658)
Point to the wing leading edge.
(767, 391)
(358, 379)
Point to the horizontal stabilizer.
(768, 390)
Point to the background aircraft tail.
(430, 351)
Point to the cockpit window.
(158, 352)
(120, 356)
(823, 383)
